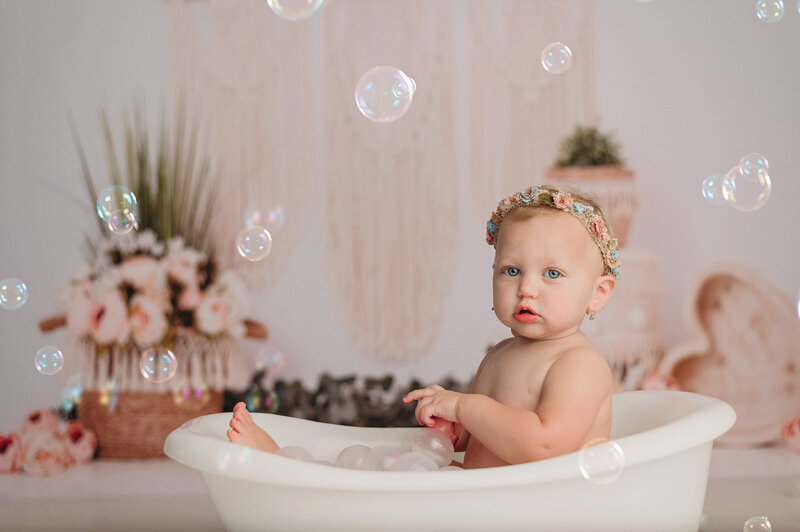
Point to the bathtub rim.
(712, 418)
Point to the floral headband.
(563, 201)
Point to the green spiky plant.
(587, 146)
(174, 190)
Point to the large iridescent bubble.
(769, 11)
(118, 208)
(13, 293)
(746, 192)
(753, 165)
(295, 9)
(556, 58)
(384, 93)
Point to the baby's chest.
(511, 385)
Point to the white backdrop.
(687, 86)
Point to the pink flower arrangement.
(138, 289)
(44, 445)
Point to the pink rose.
(212, 315)
(10, 453)
(143, 273)
(148, 322)
(659, 381)
(562, 201)
(44, 454)
(190, 298)
(790, 433)
(599, 226)
(81, 442)
(108, 322)
(40, 421)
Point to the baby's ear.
(603, 288)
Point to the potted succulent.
(591, 160)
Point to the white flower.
(144, 273)
(224, 307)
(108, 320)
(79, 309)
(148, 322)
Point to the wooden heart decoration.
(744, 348)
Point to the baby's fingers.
(416, 395)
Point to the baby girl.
(545, 390)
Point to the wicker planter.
(139, 422)
(611, 186)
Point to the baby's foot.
(244, 431)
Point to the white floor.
(156, 495)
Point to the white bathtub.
(666, 438)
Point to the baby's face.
(546, 271)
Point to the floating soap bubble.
(295, 9)
(254, 399)
(769, 11)
(753, 166)
(434, 444)
(414, 461)
(72, 393)
(556, 58)
(192, 397)
(275, 219)
(757, 524)
(745, 193)
(601, 461)
(270, 359)
(254, 243)
(158, 364)
(295, 453)
(384, 93)
(253, 216)
(13, 293)
(108, 395)
(117, 207)
(49, 360)
(384, 456)
(712, 189)
(356, 457)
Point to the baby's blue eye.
(512, 271)
(552, 274)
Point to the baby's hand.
(434, 402)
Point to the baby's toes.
(236, 424)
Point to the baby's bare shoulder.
(582, 358)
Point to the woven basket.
(140, 422)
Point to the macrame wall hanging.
(518, 111)
(277, 103)
(245, 74)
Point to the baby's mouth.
(526, 315)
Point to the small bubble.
(13, 293)
(601, 461)
(769, 11)
(49, 360)
(158, 364)
(254, 243)
(759, 523)
(556, 58)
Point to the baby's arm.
(570, 398)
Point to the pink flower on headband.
(562, 201)
(599, 227)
